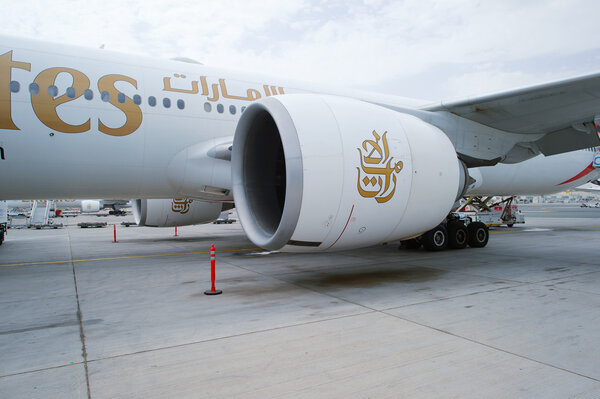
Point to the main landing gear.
(452, 233)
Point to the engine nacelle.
(313, 173)
(174, 212)
(88, 206)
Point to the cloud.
(428, 49)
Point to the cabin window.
(121, 98)
(180, 104)
(15, 86)
(207, 107)
(220, 108)
(71, 92)
(105, 96)
(167, 102)
(53, 91)
(137, 100)
(232, 109)
(243, 109)
(152, 101)
(88, 94)
(34, 88)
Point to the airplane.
(590, 187)
(308, 167)
(539, 175)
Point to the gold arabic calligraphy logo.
(378, 169)
(181, 205)
(251, 94)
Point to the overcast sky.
(424, 49)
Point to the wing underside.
(567, 113)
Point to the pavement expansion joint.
(455, 296)
(80, 319)
(494, 347)
(60, 366)
(249, 333)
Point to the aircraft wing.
(563, 110)
(591, 187)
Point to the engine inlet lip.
(294, 175)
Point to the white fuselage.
(93, 124)
(89, 148)
(537, 176)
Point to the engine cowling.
(314, 173)
(174, 212)
(90, 206)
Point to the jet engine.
(314, 173)
(88, 206)
(174, 212)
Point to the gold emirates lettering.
(133, 113)
(377, 172)
(6, 66)
(215, 91)
(45, 105)
(181, 205)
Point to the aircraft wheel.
(1, 237)
(479, 234)
(413, 243)
(435, 239)
(458, 236)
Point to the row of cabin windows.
(105, 96)
(34, 89)
(221, 108)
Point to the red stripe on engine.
(580, 175)
(347, 221)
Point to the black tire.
(1, 236)
(435, 239)
(479, 234)
(458, 236)
(413, 243)
(510, 224)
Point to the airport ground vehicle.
(492, 211)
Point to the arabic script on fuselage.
(216, 90)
